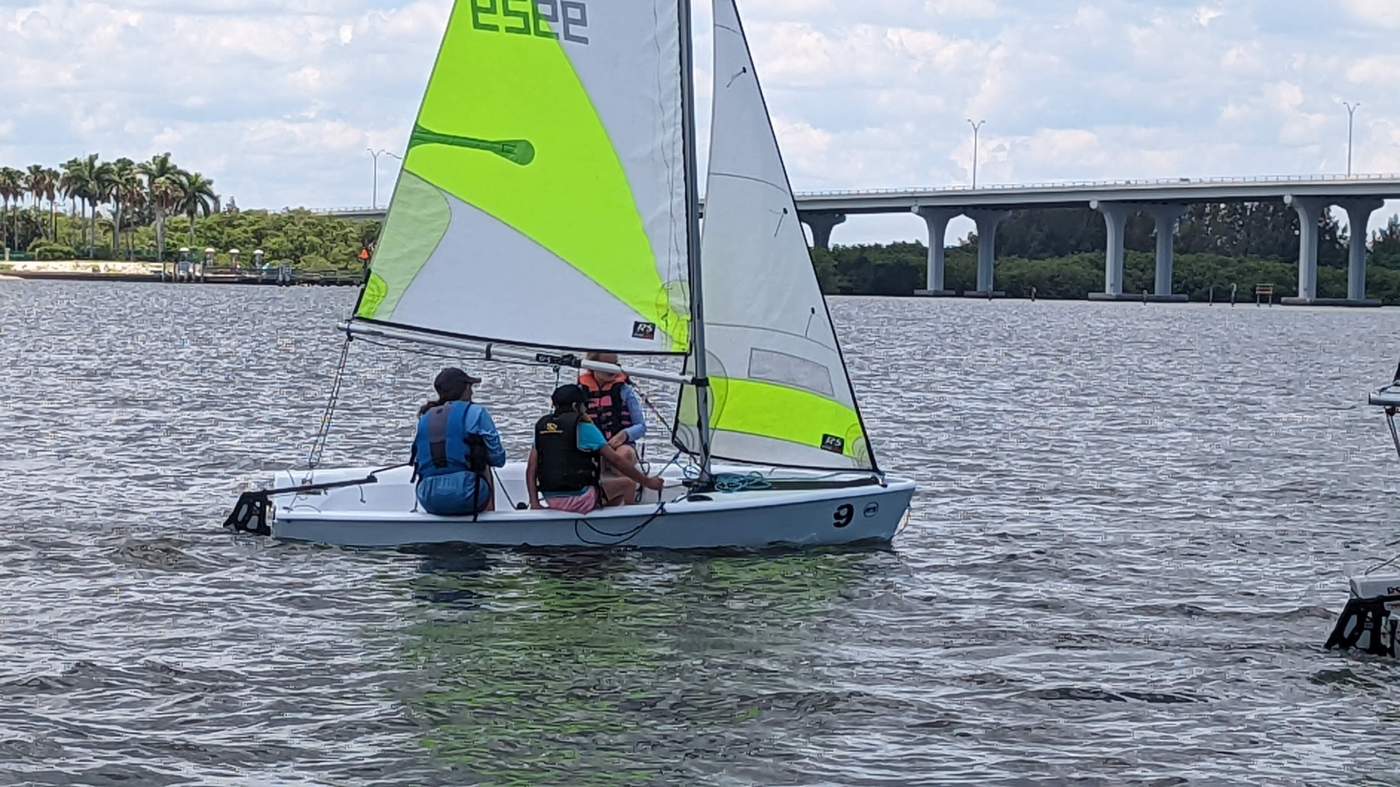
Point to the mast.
(692, 201)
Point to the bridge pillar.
(1358, 223)
(1309, 214)
(1166, 217)
(1115, 216)
(987, 222)
(822, 224)
(937, 220)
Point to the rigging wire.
(619, 539)
(729, 483)
(318, 445)
(646, 400)
(1385, 563)
(502, 487)
(654, 410)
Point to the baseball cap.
(571, 393)
(452, 382)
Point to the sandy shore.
(84, 266)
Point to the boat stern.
(1367, 623)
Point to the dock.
(153, 273)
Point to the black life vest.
(561, 466)
(443, 445)
(605, 404)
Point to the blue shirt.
(484, 426)
(479, 423)
(590, 438)
(638, 429)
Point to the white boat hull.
(837, 509)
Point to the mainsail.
(542, 200)
(780, 391)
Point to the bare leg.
(626, 453)
(618, 489)
(491, 496)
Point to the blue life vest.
(444, 445)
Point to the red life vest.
(605, 405)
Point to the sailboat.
(1370, 621)
(548, 206)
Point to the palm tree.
(94, 186)
(124, 178)
(69, 185)
(165, 198)
(196, 196)
(51, 192)
(160, 183)
(133, 196)
(36, 182)
(11, 187)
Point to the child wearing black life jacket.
(566, 462)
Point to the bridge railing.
(1048, 185)
(1080, 184)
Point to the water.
(1132, 532)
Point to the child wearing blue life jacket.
(455, 448)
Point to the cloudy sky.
(277, 100)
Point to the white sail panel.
(542, 198)
(780, 392)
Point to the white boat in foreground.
(1368, 623)
(548, 205)
(771, 509)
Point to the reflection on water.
(1132, 528)
(565, 668)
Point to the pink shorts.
(578, 504)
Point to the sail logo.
(553, 19)
(834, 444)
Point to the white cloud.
(1204, 15)
(277, 99)
(1246, 61)
(1385, 13)
(964, 9)
(1373, 70)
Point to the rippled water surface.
(1132, 526)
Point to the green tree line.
(117, 196)
(1263, 230)
(1061, 255)
(88, 208)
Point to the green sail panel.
(780, 393)
(542, 197)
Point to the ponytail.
(430, 405)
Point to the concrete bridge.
(1164, 200)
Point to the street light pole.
(976, 130)
(375, 154)
(374, 200)
(1351, 118)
